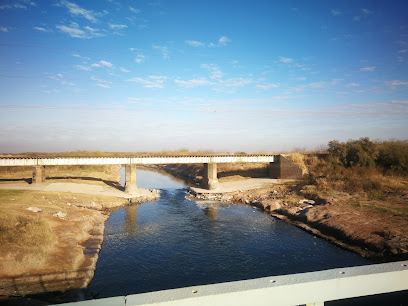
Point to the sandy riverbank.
(67, 233)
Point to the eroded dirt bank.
(63, 233)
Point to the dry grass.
(25, 233)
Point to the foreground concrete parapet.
(282, 168)
(312, 288)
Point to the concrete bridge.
(279, 166)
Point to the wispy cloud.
(396, 83)
(236, 82)
(134, 10)
(353, 85)
(153, 81)
(140, 58)
(285, 60)
(193, 83)
(371, 68)
(223, 41)
(117, 26)
(335, 12)
(103, 85)
(75, 31)
(41, 29)
(195, 43)
(76, 10)
(23, 4)
(82, 67)
(123, 69)
(106, 64)
(164, 50)
(215, 72)
(4, 29)
(267, 86)
(366, 11)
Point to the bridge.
(279, 166)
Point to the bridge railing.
(313, 288)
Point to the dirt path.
(77, 188)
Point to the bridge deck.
(134, 160)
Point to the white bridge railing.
(313, 288)
(138, 160)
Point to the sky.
(223, 75)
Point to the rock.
(308, 202)
(60, 214)
(247, 202)
(34, 209)
(274, 205)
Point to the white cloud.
(164, 50)
(139, 58)
(136, 11)
(4, 29)
(75, 10)
(18, 4)
(41, 29)
(215, 72)
(106, 64)
(81, 67)
(118, 26)
(153, 81)
(193, 83)
(353, 85)
(285, 60)
(335, 12)
(74, 31)
(123, 69)
(223, 41)
(96, 65)
(236, 82)
(367, 11)
(371, 68)
(396, 83)
(103, 85)
(267, 86)
(194, 43)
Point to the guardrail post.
(210, 176)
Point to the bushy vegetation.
(376, 168)
(390, 155)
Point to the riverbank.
(51, 237)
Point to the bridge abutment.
(38, 175)
(210, 176)
(282, 168)
(130, 181)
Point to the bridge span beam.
(130, 181)
(210, 176)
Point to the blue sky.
(224, 75)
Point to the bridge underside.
(279, 166)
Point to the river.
(174, 242)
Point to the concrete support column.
(38, 175)
(210, 176)
(130, 181)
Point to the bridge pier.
(282, 168)
(130, 181)
(210, 176)
(38, 175)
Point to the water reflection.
(131, 219)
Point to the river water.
(174, 242)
